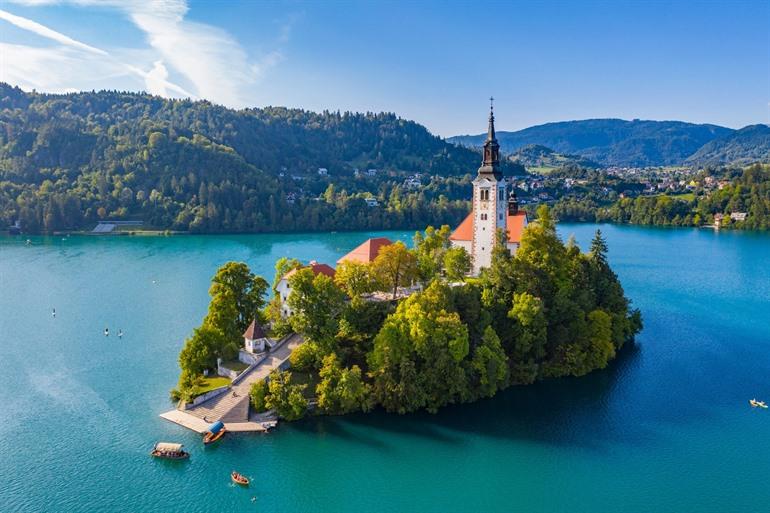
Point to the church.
(493, 209)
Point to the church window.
(501, 194)
(484, 194)
(500, 217)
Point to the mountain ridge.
(612, 141)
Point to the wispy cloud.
(44, 31)
(207, 59)
(46, 68)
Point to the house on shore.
(284, 289)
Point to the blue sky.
(434, 62)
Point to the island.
(462, 314)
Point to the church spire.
(491, 162)
(491, 128)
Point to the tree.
(201, 350)
(601, 349)
(317, 304)
(285, 398)
(258, 394)
(424, 332)
(305, 358)
(355, 278)
(457, 263)
(490, 364)
(430, 248)
(340, 390)
(282, 266)
(236, 280)
(395, 266)
(531, 333)
(223, 315)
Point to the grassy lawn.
(236, 365)
(213, 382)
(688, 196)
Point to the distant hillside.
(538, 158)
(67, 161)
(745, 146)
(612, 142)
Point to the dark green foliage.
(341, 390)
(318, 305)
(745, 146)
(286, 398)
(489, 364)
(68, 161)
(237, 295)
(612, 142)
(539, 156)
(257, 395)
(747, 190)
(421, 347)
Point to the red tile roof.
(465, 230)
(254, 331)
(313, 266)
(515, 224)
(367, 251)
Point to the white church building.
(492, 209)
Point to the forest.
(548, 311)
(70, 161)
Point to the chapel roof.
(367, 251)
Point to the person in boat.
(53, 312)
(106, 332)
(120, 333)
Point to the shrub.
(305, 358)
(257, 394)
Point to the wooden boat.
(757, 404)
(239, 478)
(216, 431)
(169, 451)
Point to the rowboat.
(757, 404)
(215, 432)
(239, 478)
(169, 451)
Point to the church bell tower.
(490, 200)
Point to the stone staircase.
(233, 406)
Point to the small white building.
(322, 171)
(255, 340)
(371, 202)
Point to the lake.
(666, 428)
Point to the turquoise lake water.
(666, 428)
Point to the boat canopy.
(168, 447)
(216, 427)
